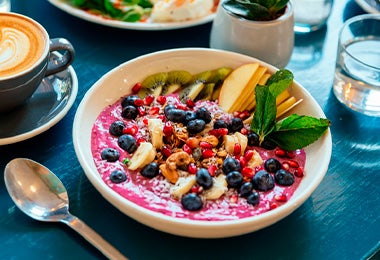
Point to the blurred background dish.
(99, 19)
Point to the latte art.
(21, 45)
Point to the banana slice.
(144, 154)
(218, 188)
(229, 143)
(182, 186)
(155, 127)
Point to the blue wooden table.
(340, 220)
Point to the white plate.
(46, 107)
(370, 6)
(119, 81)
(65, 6)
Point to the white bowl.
(118, 83)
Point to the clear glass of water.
(357, 72)
(310, 15)
(5, 5)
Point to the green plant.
(256, 10)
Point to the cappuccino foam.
(22, 43)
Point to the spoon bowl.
(40, 194)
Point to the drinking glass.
(5, 5)
(357, 72)
(311, 15)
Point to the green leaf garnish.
(126, 161)
(291, 133)
(295, 131)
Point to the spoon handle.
(94, 238)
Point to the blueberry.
(204, 114)
(129, 112)
(263, 181)
(116, 128)
(220, 124)
(284, 178)
(127, 143)
(272, 165)
(235, 125)
(110, 154)
(118, 176)
(253, 139)
(192, 202)
(129, 101)
(196, 126)
(234, 179)
(268, 144)
(167, 108)
(204, 178)
(190, 115)
(176, 115)
(150, 171)
(253, 198)
(245, 189)
(230, 164)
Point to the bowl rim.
(147, 216)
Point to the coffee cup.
(25, 58)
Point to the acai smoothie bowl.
(202, 143)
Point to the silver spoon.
(41, 195)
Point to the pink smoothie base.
(153, 194)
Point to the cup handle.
(63, 61)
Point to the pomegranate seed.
(161, 100)
(293, 164)
(299, 172)
(166, 151)
(181, 106)
(205, 145)
(190, 103)
(281, 198)
(141, 111)
(280, 153)
(140, 140)
(291, 154)
(192, 142)
(138, 102)
(248, 172)
(214, 132)
(242, 161)
(244, 114)
(207, 153)
(148, 100)
(212, 169)
(187, 149)
(192, 168)
(236, 113)
(145, 121)
(132, 130)
(234, 198)
(162, 117)
(195, 189)
(273, 206)
(168, 128)
(285, 166)
(222, 131)
(136, 87)
(237, 149)
(244, 131)
(248, 155)
(154, 111)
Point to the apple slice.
(235, 84)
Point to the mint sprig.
(291, 133)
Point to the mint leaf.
(264, 119)
(295, 131)
(280, 81)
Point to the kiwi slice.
(153, 84)
(195, 86)
(219, 75)
(206, 92)
(176, 79)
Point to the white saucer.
(47, 106)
